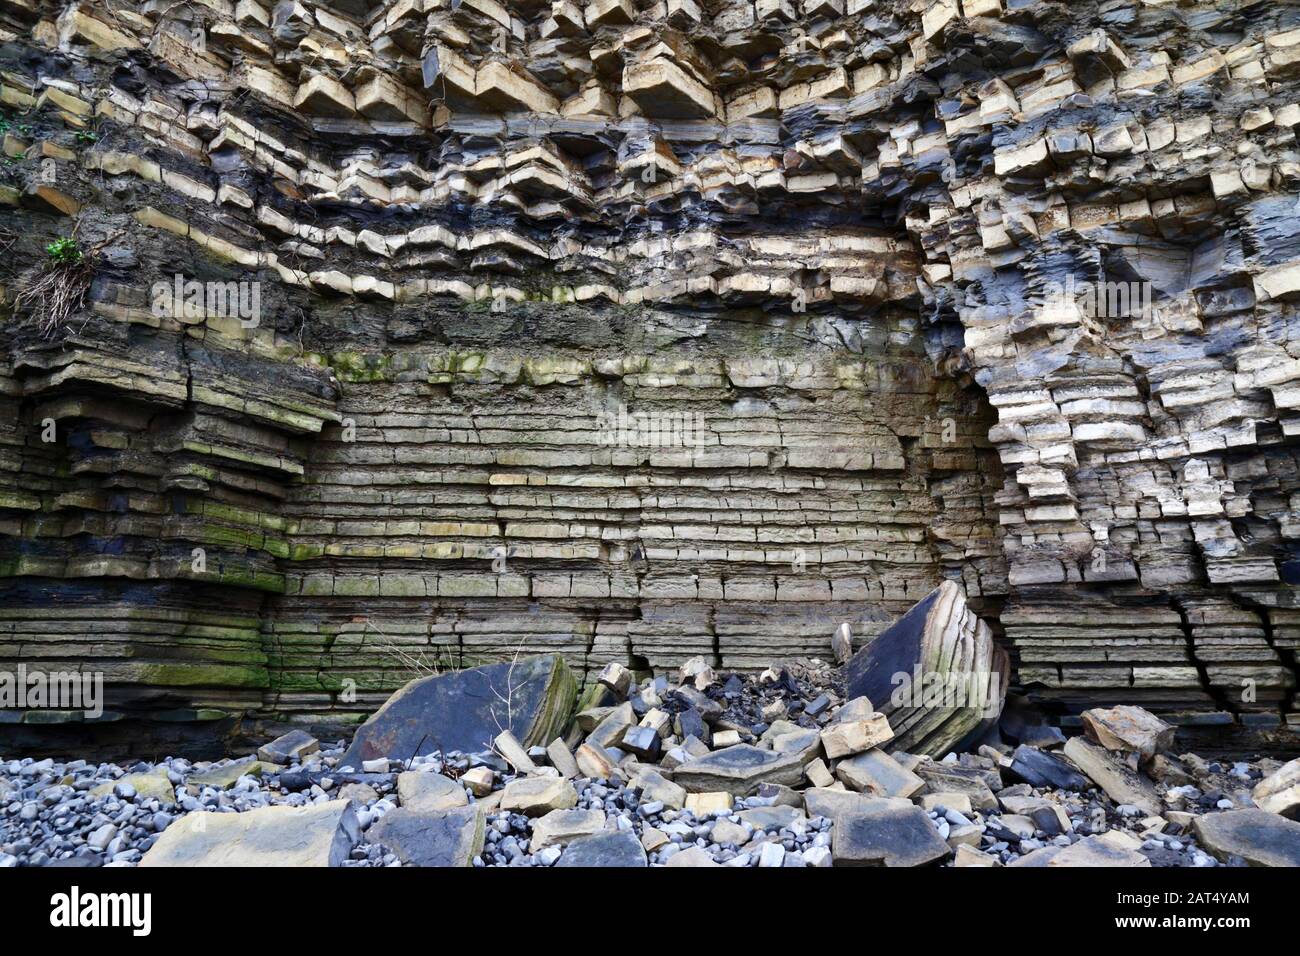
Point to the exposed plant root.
(56, 295)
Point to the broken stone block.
(466, 710)
(536, 796)
(951, 778)
(429, 792)
(1256, 836)
(479, 780)
(1119, 782)
(642, 741)
(881, 833)
(827, 802)
(451, 838)
(877, 773)
(224, 777)
(322, 834)
(611, 728)
(705, 804)
(562, 758)
(725, 738)
(655, 787)
(617, 678)
(595, 763)
(1280, 792)
(969, 856)
(561, 826)
(942, 709)
(1094, 851)
(739, 770)
(1041, 769)
(507, 746)
(1129, 729)
(948, 801)
(295, 745)
(693, 856)
(621, 849)
(845, 737)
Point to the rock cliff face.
(416, 334)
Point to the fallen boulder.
(564, 826)
(739, 770)
(1119, 782)
(451, 838)
(1128, 729)
(295, 745)
(466, 710)
(1095, 851)
(877, 773)
(621, 849)
(884, 833)
(1041, 769)
(1280, 792)
(956, 676)
(1256, 836)
(322, 834)
(538, 796)
(430, 792)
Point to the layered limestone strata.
(650, 330)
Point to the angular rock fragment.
(1130, 729)
(1094, 851)
(429, 792)
(1280, 792)
(621, 849)
(450, 838)
(1121, 784)
(466, 710)
(878, 774)
(1041, 769)
(537, 796)
(295, 745)
(322, 834)
(845, 737)
(955, 676)
(739, 770)
(882, 833)
(1256, 836)
(562, 826)
(151, 785)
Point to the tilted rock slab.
(955, 676)
(466, 710)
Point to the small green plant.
(86, 136)
(63, 251)
(57, 290)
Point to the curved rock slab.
(936, 674)
(466, 710)
(319, 835)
